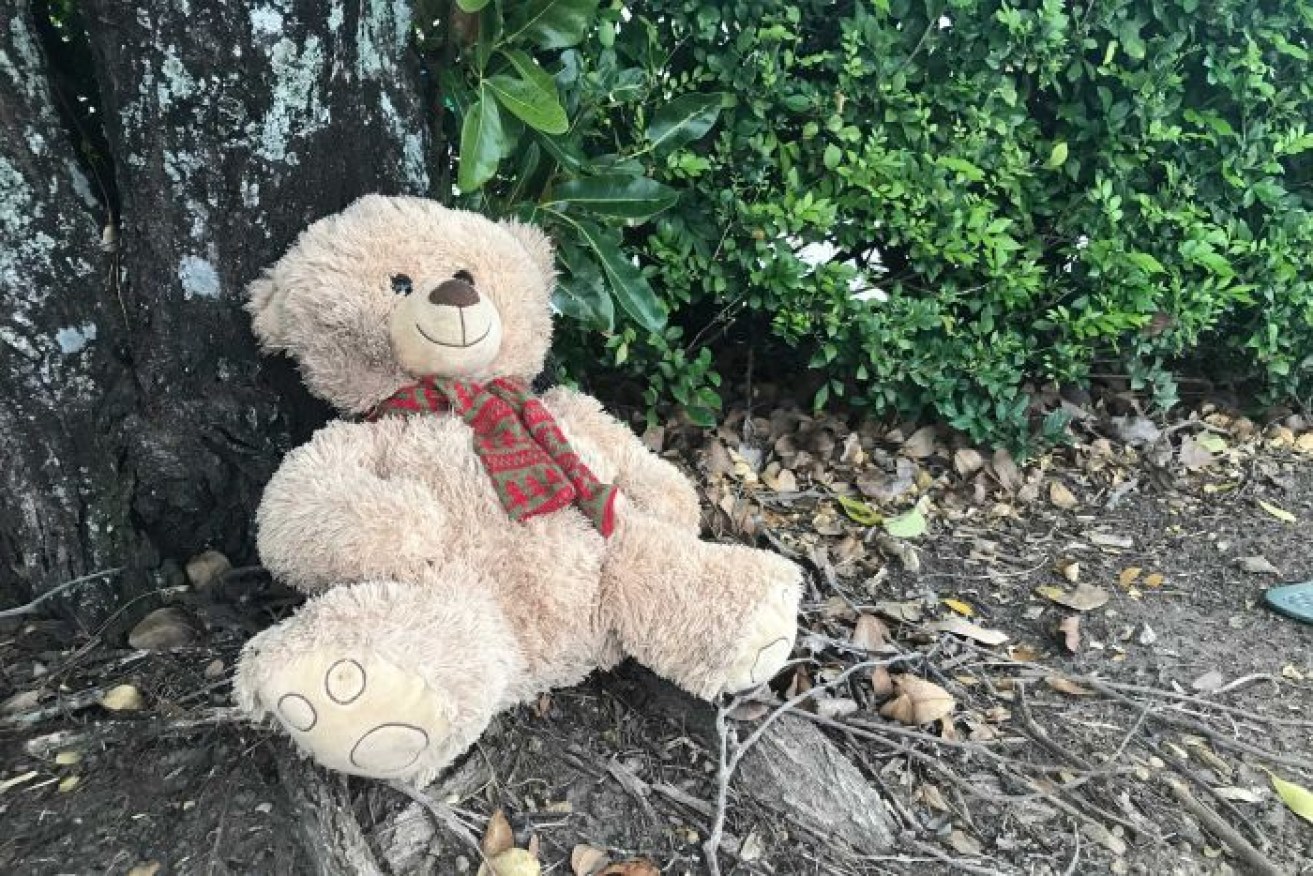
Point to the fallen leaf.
(965, 844)
(585, 860)
(885, 487)
(1069, 569)
(785, 481)
(859, 511)
(1209, 682)
(68, 758)
(911, 524)
(1136, 430)
(918, 701)
(960, 607)
(1239, 795)
(635, 867)
(959, 627)
(1129, 576)
(21, 702)
(1155, 579)
(907, 612)
(921, 444)
(1298, 799)
(931, 796)
(1070, 629)
(881, 683)
(752, 848)
(1212, 442)
(750, 710)
(122, 698)
(497, 836)
(69, 783)
(1147, 635)
(1065, 685)
(146, 868)
(967, 461)
(207, 569)
(512, 862)
(162, 629)
(834, 708)
(871, 634)
(1061, 497)
(1110, 539)
(1086, 597)
(1278, 513)
(1005, 469)
(1194, 455)
(1258, 565)
(1104, 837)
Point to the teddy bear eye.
(465, 276)
(401, 284)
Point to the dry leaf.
(1110, 539)
(1069, 569)
(1104, 837)
(69, 784)
(921, 444)
(918, 701)
(1005, 469)
(123, 698)
(834, 708)
(1129, 576)
(907, 612)
(1070, 629)
(1278, 513)
(1195, 455)
(146, 868)
(749, 710)
(68, 758)
(1209, 682)
(21, 702)
(1086, 597)
(1061, 497)
(1257, 565)
(635, 867)
(930, 796)
(207, 569)
(586, 860)
(881, 683)
(871, 634)
(162, 629)
(959, 627)
(1155, 579)
(512, 862)
(960, 607)
(965, 844)
(1065, 685)
(497, 836)
(967, 461)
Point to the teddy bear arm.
(327, 517)
(651, 483)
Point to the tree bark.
(231, 126)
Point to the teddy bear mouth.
(432, 340)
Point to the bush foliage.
(942, 205)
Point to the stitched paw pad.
(358, 714)
(767, 639)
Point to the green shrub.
(1013, 194)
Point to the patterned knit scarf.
(533, 468)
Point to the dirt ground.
(1180, 696)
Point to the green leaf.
(831, 157)
(912, 524)
(471, 5)
(537, 108)
(627, 197)
(859, 511)
(683, 120)
(554, 24)
(581, 292)
(480, 144)
(565, 153)
(627, 283)
(1058, 155)
(1145, 262)
(531, 72)
(1297, 798)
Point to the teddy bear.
(464, 544)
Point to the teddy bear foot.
(767, 638)
(358, 714)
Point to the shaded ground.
(1052, 761)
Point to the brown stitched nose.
(454, 293)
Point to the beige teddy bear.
(466, 545)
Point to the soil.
(179, 785)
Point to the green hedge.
(1012, 194)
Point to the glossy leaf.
(627, 283)
(480, 144)
(554, 24)
(471, 5)
(626, 197)
(683, 120)
(537, 108)
(581, 291)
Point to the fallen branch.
(31, 607)
(1220, 829)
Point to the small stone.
(205, 569)
(214, 668)
(162, 629)
(264, 808)
(462, 864)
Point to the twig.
(31, 607)
(1220, 829)
(1075, 856)
(444, 816)
(955, 863)
(47, 744)
(729, 758)
(1040, 735)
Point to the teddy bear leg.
(713, 618)
(383, 679)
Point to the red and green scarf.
(533, 468)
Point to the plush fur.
(431, 609)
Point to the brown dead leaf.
(785, 481)
(881, 684)
(123, 698)
(918, 701)
(852, 453)
(921, 444)
(1086, 597)
(1070, 629)
(967, 461)
(497, 836)
(1129, 576)
(965, 844)
(512, 862)
(960, 627)
(907, 612)
(1257, 565)
(834, 708)
(1193, 455)
(930, 796)
(585, 860)
(1005, 469)
(1065, 685)
(750, 710)
(871, 634)
(1061, 497)
(717, 459)
(1155, 579)
(634, 867)
(882, 486)
(146, 868)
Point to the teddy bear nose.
(454, 293)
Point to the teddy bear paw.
(767, 640)
(358, 714)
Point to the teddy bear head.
(393, 289)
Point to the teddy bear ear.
(538, 245)
(266, 314)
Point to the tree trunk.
(231, 126)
